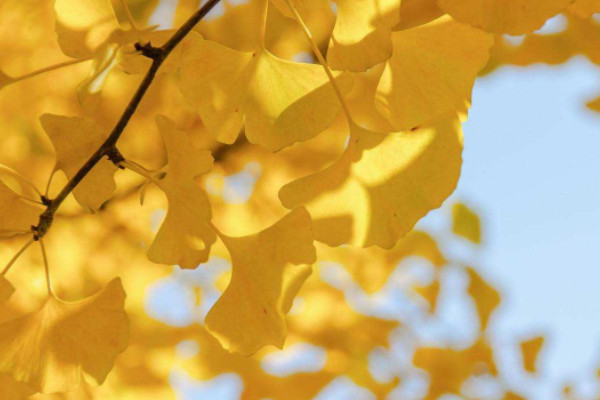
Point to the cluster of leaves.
(351, 154)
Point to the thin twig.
(108, 148)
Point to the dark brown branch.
(109, 148)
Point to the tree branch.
(108, 148)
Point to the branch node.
(45, 200)
(147, 50)
(43, 225)
(115, 156)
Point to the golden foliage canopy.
(340, 154)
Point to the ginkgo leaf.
(88, 91)
(486, 297)
(465, 223)
(585, 8)
(281, 102)
(6, 289)
(530, 350)
(16, 215)
(13, 390)
(186, 235)
(51, 349)
(431, 72)
(268, 269)
(75, 139)
(5, 79)
(381, 186)
(514, 17)
(82, 25)
(417, 12)
(361, 35)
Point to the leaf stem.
(108, 148)
(138, 169)
(16, 256)
(48, 69)
(128, 14)
(20, 178)
(322, 61)
(46, 268)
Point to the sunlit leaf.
(381, 186)
(268, 269)
(186, 235)
(281, 102)
(515, 17)
(431, 72)
(51, 349)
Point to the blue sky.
(532, 169)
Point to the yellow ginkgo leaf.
(514, 17)
(268, 269)
(5, 79)
(530, 350)
(75, 139)
(381, 186)
(82, 25)
(186, 235)
(281, 102)
(417, 12)
(51, 350)
(16, 215)
(485, 297)
(6, 289)
(465, 223)
(431, 72)
(361, 35)
(88, 91)
(13, 390)
(585, 8)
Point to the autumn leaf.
(13, 390)
(515, 17)
(186, 235)
(16, 215)
(485, 297)
(585, 8)
(381, 186)
(361, 36)
(6, 289)
(431, 72)
(465, 223)
(51, 349)
(268, 269)
(530, 349)
(279, 102)
(75, 139)
(82, 25)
